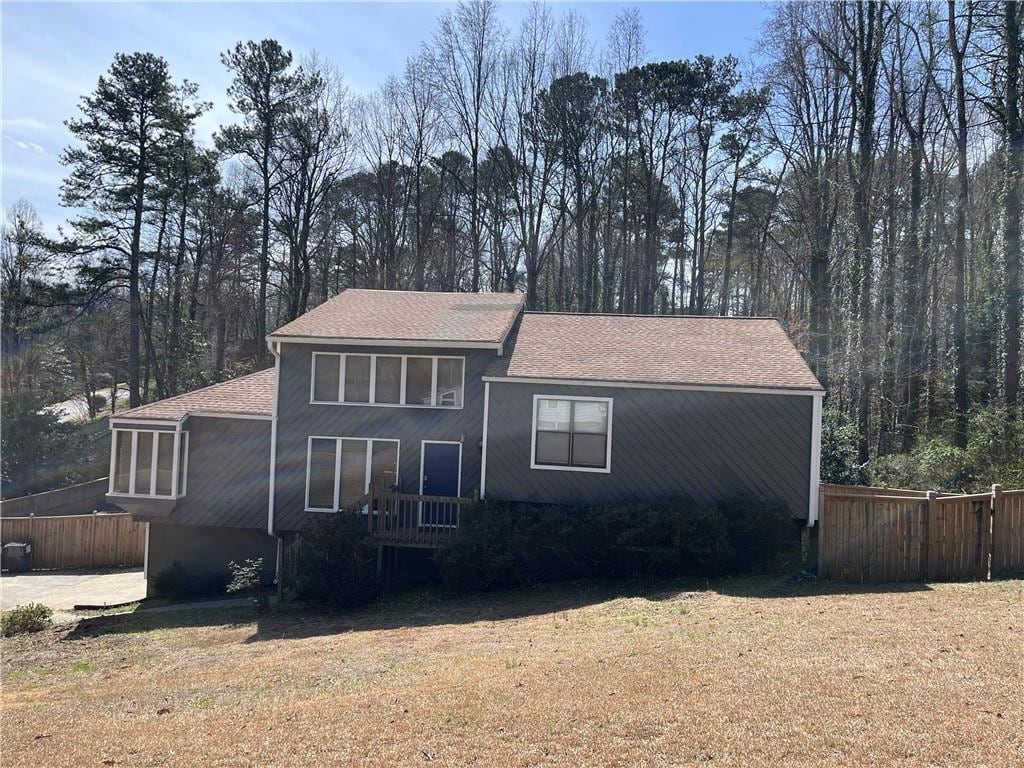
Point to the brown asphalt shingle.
(251, 395)
(663, 349)
(483, 318)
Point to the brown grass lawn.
(743, 673)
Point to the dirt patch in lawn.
(735, 673)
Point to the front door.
(440, 475)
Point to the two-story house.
(431, 396)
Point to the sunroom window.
(572, 433)
(148, 462)
(423, 381)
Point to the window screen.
(449, 382)
(321, 474)
(388, 381)
(122, 461)
(326, 378)
(357, 378)
(418, 376)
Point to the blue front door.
(440, 477)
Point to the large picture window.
(340, 469)
(572, 433)
(388, 380)
(148, 463)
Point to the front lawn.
(735, 673)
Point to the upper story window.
(573, 433)
(392, 380)
(148, 463)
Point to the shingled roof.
(655, 349)
(371, 315)
(251, 395)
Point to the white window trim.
(458, 487)
(337, 464)
(606, 469)
(179, 435)
(373, 380)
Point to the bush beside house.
(504, 544)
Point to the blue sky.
(52, 54)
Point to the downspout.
(483, 452)
(275, 350)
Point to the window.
(339, 470)
(148, 462)
(572, 433)
(388, 380)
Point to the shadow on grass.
(424, 607)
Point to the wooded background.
(861, 181)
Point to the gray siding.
(664, 443)
(298, 419)
(228, 474)
(206, 552)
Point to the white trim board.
(645, 385)
(605, 470)
(410, 343)
(275, 349)
(815, 482)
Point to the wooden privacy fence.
(79, 541)
(881, 534)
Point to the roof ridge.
(637, 314)
(431, 293)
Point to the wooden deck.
(411, 519)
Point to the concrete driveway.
(63, 590)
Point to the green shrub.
(33, 617)
(503, 544)
(839, 462)
(247, 577)
(762, 534)
(336, 564)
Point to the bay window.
(572, 433)
(423, 381)
(149, 463)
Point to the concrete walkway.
(63, 590)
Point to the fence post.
(995, 509)
(929, 509)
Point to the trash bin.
(17, 557)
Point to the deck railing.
(411, 519)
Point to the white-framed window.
(572, 433)
(148, 463)
(341, 469)
(410, 381)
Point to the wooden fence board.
(79, 541)
(1008, 534)
(889, 534)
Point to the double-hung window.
(339, 470)
(423, 381)
(572, 433)
(148, 463)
